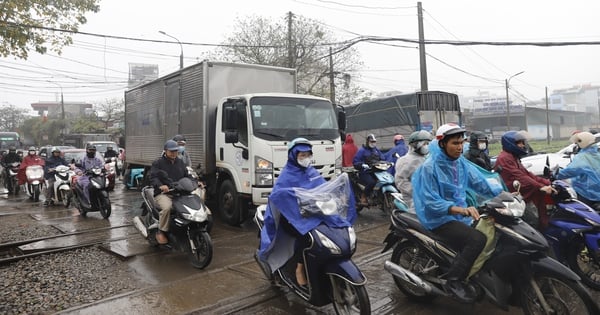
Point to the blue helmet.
(509, 143)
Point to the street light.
(507, 101)
(180, 46)
(62, 100)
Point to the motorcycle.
(135, 178)
(384, 192)
(99, 200)
(10, 177)
(35, 179)
(574, 233)
(331, 274)
(516, 271)
(111, 174)
(189, 222)
(62, 186)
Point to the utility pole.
(289, 41)
(547, 120)
(331, 78)
(507, 100)
(423, 62)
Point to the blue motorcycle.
(574, 234)
(384, 195)
(322, 216)
(135, 178)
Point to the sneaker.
(161, 238)
(461, 291)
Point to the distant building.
(140, 73)
(54, 109)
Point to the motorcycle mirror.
(517, 185)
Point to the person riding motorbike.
(399, 150)
(478, 150)
(508, 164)
(181, 149)
(297, 172)
(367, 155)
(406, 165)
(49, 170)
(10, 158)
(111, 153)
(89, 161)
(441, 185)
(31, 159)
(175, 169)
(584, 170)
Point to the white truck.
(237, 120)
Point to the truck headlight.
(263, 172)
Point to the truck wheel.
(229, 204)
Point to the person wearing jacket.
(399, 150)
(508, 164)
(405, 166)
(348, 151)
(8, 159)
(278, 231)
(89, 161)
(49, 170)
(442, 183)
(478, 150)
(364, 158)
(584, 170)
(30, 159)
(175, 169)
(185, 156)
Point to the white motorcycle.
(62, 186)
(35, 180)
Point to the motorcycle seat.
(412, 221)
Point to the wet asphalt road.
(232, 283)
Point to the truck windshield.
(284, 118)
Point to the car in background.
(48, 148)
(562, 158)
(102, 145)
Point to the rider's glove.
(365, 166)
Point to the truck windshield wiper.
(276, 135)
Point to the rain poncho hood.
(349, 150)
(584, 172)
(276, 245)
(442, 182)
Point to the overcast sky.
(94, 69)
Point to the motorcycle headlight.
(352, 236)
(195, 215)
(96, 184)
(329, 244)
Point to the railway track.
(18, 250)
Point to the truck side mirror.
(231, 136)
(230, 122)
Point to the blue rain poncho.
(294, 185)
(584, 172)
(441, 183)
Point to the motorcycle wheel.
(36, 193)
(105, 207)
(66, 197)
(563, 296)
(201, 249)
(349, 298)
(583, 264)
(409, 256)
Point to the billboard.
(141, 73)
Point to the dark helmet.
(91, 148)
(370, 138)
(417, 136)
(12, 148)
(179, 138)
(171, 145)
(446, 130)
(475, 137)
(509, 143)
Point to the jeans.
(467, 241)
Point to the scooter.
(515, 271)
(35, 179)
(99, 200)
(62, 186)
(384, 192)
(190, 222)
(111, 173)
(10, 177)
(574, 233)
(333, 278)
(134, 178)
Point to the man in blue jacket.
(52, 162)
(364, 158)
(440, 188)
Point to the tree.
(111, 112)
(11, 117)
(303, 46)
(27, 25)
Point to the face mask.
(423, 148)
(482, 146)
(31, 152)
(91, 154)
(181, 149)
(305, 162)
(371, 145)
